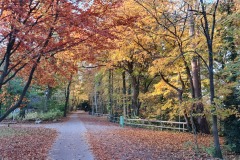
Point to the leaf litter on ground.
(25, 142)
(108, 141)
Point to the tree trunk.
(180, 93)
(218, 152)
(110, 90)
(92, 104)
(196, 77)
(124, 90)
(180, 99)
(6, 61)
(202, 125)
(67, 93)
(96, 99)
(209, 39)
(135, 95)
(48, 94)
(0, 109)
(129, 113)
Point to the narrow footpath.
(70, 143)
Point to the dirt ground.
(109, 141)
(85, 137)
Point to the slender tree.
(209, 35)
(67, 94)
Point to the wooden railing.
(155, 124)
(151, 124)
(100, 114)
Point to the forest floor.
(109, 141)
(64, 140)
(18, 142)
(85, 137)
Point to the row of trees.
(158, 58)
(41, 42)
(175, 58)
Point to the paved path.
(70, 143)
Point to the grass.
(11, 132)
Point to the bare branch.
(14, 74)
(214, 20)
(166, 81)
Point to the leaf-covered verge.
(108, 141)
(25, 142)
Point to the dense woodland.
(152, 59)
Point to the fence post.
(121, 121)
(161, 125)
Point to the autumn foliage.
(34, 32)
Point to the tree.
(67, 93)
(37, 30)
(131, 56)
(228, 75)
(209, 34)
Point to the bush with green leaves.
(31, 116)
(53, 114)
(232, 133)
(56, 105)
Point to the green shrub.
(56, 105)
(45, 116)
(51, 115)
(31, 116)
(209, 150)
(231, 131)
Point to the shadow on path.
(70, 143)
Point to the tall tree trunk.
(218, 152)
(135, 95)
(48, 94)
(92, 97)
(67, 94)
(95, 100)
(0, 109)
(129, 113)
(196, 77)
(124, 90)
(110, 90)
(209, 34)
(202, 124)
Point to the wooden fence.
(155, 124)
(151, 124)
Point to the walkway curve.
(70, 143)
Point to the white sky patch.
(82, 4)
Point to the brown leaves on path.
(112, 142)
(25, 142)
